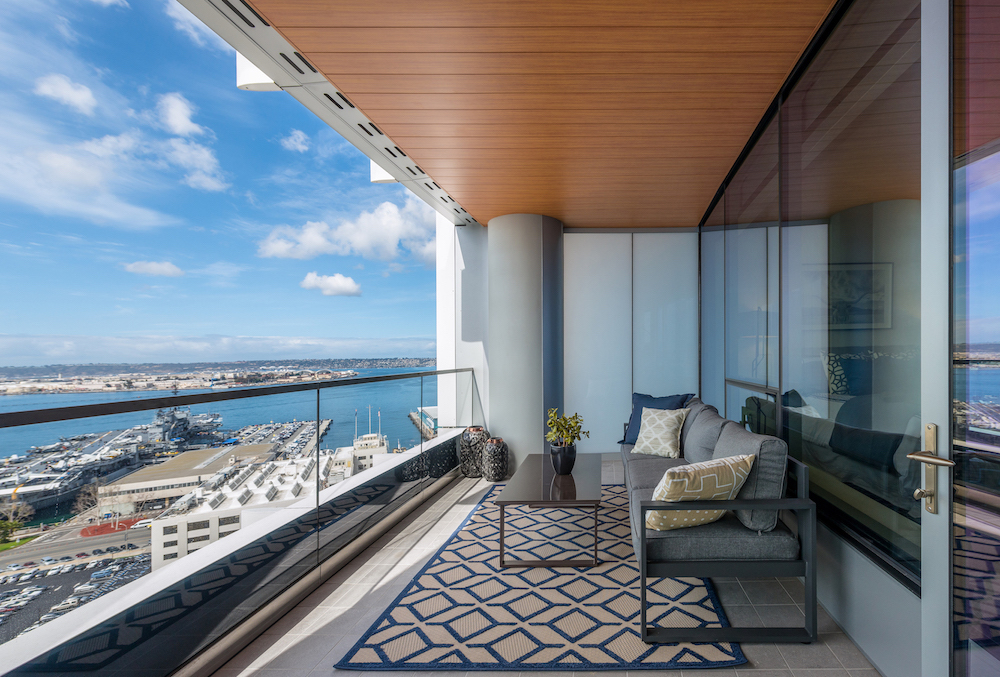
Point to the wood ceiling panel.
(545, 83)
(532, 63)
(524, 13)
(705, 40)
(600, 114)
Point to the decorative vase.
(563, 458)
(470, 450)
(494, 460)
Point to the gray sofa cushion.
(698, 439)
(726, 539)
(766, 479)
(644, 471)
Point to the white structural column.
(525, 275)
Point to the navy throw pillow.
(640, 402)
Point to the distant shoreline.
(98, 370)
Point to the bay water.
(395, 400)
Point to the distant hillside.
(84, 370)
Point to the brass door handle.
(931, 462)
(931, 459)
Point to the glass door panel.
(976, 336)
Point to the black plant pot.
(563, 458)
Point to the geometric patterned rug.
(462, 612)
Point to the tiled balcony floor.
(318, 632)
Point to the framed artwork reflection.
(859, 295)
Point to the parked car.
(65, 558)
(111, 548)
(132, 546)
(97, 551)
(66, 605)
(29, 564)
(82, 555)
(100, 575)
(84, 588)
(54, 571)
(14, 567)
(48, 560)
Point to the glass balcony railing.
(160, 525)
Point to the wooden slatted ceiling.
(599, 114)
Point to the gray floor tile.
(749, 672)
(801, 656)
(743, 617)
(766, 592)
(795, 590)
(846, 652)
(762, 657)
(781, 616)
(730, 592)
(871, 672)
(839, 672)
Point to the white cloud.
(24, 350)
(60, 88)
(331, 285)
(297, 141)
(175, 115)
(157, 268)
(191, 26)
(382, 233)
(109, 3)
(203, 171)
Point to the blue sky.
(151, 211)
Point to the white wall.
(665, 313)
(597, 316)
(631, 324)
(462, 323)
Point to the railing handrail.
(35, 416)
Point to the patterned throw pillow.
(716, 480)
(834, 373)
(660, 432)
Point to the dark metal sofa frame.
(805, 566)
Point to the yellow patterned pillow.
(716, 480)
(660, 432)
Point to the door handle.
(930, 458)
(931, 462)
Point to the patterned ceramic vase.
(563, 458)
(470, 450)
(495, 465)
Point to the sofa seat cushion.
(766, 479)
(726, 539)
(643, 471)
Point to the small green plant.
(565, 430)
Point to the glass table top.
(535, 481)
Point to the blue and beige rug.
(461, 612)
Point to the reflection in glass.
(850, 274)
(976, 331)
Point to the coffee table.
(536, 485)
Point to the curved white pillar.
(524, 261)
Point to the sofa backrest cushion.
(767, 478)
(700, 433)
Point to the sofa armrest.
(798, 504)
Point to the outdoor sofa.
(753, 539)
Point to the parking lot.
(15, 618)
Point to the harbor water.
(395, 399)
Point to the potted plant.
(563, 433)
